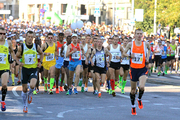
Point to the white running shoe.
(86, 89)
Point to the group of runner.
(73, 58)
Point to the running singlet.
(59, 46)
(164, 53)
(140, 55)
(85, 50)
(126, 60)
(169, 51)
(115, 52)
(173, 48)
(65, 50)
(100, 58)
(50, 50)
(77, 55)
(4, 51)
(29, 57)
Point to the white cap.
(74, 35)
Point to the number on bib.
(138, 58)
(114, 56)
(100, 59)
(76, 55)
(30, 59)
(3, 58)
(50, 57)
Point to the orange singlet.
(140, 56)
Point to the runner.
(74, 53)
(177, 57)
(163, 58)
(91, 68)
(114, 68)
(59, 63)
(28, 51)
(66, 63)
(169, 51)
(138, 70)
(5, 46)
(173, 46)
(100, 63)
(85, 67)
(124, 69)
(49, 61)
(157, 56)
(151, 59)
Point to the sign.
(139, 15)
(120, 12)
(5, 12)
(97, 10)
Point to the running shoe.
(86, 90)
(159, 73)
(37, 90)
(110, 91)
(70, 91)
(99, 95)
(95, 92)
(82, 89)
(133, 112)
(107, 90)
(57, 91)
(80, 83)
(75, 91)
(122, 91)
(67, 92)
(66, 87)
(25, 109)
(163, 73)
(50, 92)
(34, 92)
(54, 86)
(29, 99)
(13, 84)
(18, 82)
(115, 87)
(61, 89)
(113, 93)
(140, 105)
(3, 106)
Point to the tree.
(167, 13)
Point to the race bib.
(38, 56)
(3, 58)
(100, 59)
(30, 59)
(50, 57)
(76, 55)
(138, 58)
(125, 58)
(114, 55)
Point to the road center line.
(14, 91)
(60, 115)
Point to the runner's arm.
(40, 53)
(108, 53)
(149, 51)
(11, 50)
(18, 55)
(128, 47)
(62, 49)
(68, 53)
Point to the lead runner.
(138, 69)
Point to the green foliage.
(167, 13)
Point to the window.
(83, 10)
(63, 8)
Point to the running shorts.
(28, 74)
(3, 71)
(99, 70)
(73, 65)
(66, 64)
(84, 65)
(135, 74)
(125, 67)
(115, 65)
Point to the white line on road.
(158, 104)
(48, 112)
(40, 107)
(174, 108)
(14, 91)
(60, 115)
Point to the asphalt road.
(161, 101)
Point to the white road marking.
(111, 106)
(91, 108)
(60, 115)
(177, 77)
(174, 108)
(145, 101)
(40, 107)
(48, 112)
(100, 107)
(125, 96)
(158, 104)
(14, 91)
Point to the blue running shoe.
(3, 106)
(75, 91)
(70, 91)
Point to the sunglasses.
(2, 33)
(50, 37)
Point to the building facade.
(31, 10)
